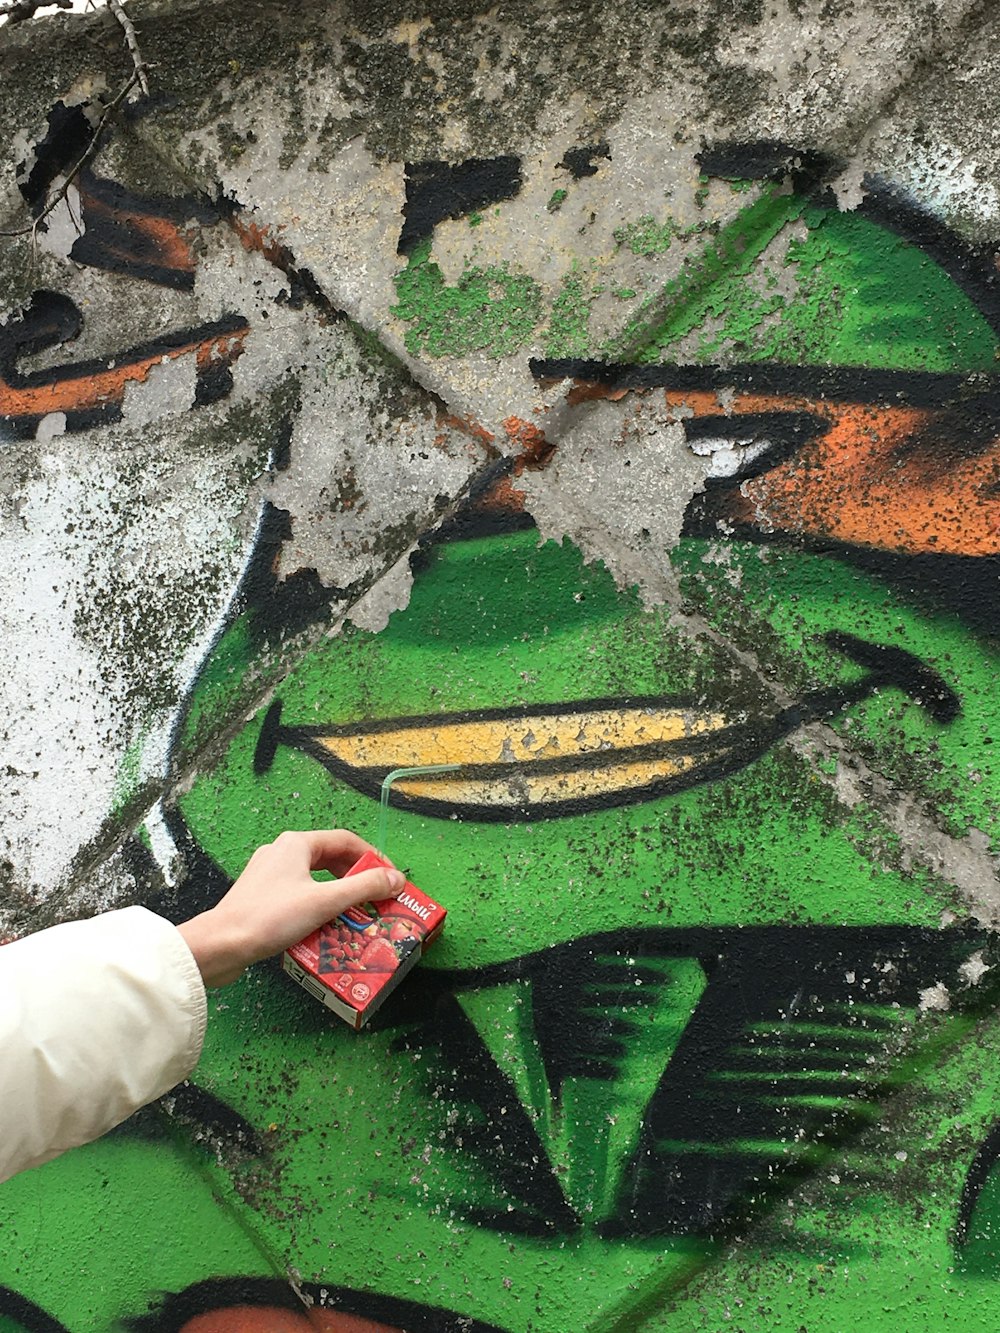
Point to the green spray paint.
(491, 309)
(483, 1150)
(514, 889)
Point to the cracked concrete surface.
(278, 484)
(821, 84)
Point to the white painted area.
(111, 529)
(161, 737)
(935, 998)
(162, 845)
(64, 224)
(727, 454)
(76, 7)
(945, 181)
(49, 427)
(974, 969)
(59, 713)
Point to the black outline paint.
(837, 384)
(119, 231)
(976, 1177)
(219, 1294)
(745, 742)
(580, 162)
(69, 133)
(758, 973)
(437, 191)
(48, 321)
(35, 1320)
(768, 160)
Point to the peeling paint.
(603, 401)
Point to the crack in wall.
(558, 512)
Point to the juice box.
(355, 961)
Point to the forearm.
(97, 1018)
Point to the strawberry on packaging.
(354, 962)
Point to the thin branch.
(132, 42)
(16, 11)
(85, 159)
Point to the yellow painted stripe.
(524, 788)
(520, 740)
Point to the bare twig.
(91, 151)
(132, 42)
(16, 11)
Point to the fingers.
(335, 850)
(276, 901)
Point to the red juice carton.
(353, 963)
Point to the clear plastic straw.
(390, 778)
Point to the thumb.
(370, 886)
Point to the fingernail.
(396, 879)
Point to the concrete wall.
(603, 399)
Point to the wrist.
(215, 948)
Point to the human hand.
(276, 902)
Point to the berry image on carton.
(354, 962)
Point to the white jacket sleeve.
(97, 1018)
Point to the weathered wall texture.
(605, 399)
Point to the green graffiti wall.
(709, 1041)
